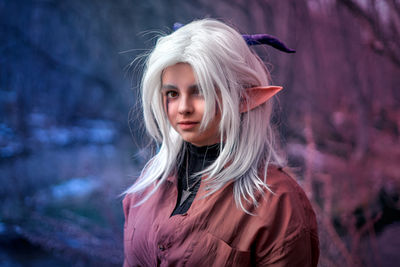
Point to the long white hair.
(221, 59)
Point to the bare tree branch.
(383, 42)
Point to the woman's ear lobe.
(256, 96)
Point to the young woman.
(215, 194)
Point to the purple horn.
(256, 39)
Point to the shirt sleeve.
(289, 236)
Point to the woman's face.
(185, 106)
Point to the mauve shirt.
(214, 232)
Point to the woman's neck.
(205, 153)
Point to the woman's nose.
(185, 105)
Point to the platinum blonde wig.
(220, 58)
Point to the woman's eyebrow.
(193, 87)
(168, 87)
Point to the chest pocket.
(209, 250)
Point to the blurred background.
(71, 139)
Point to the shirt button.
(161, 247)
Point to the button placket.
(167, 233)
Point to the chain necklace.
(187, 192)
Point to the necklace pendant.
(185, 195)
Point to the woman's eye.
(171, 94)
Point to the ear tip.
(269, 87)
(258, 95)
(275, 87)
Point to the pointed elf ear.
(255, 96)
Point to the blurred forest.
(68, 146)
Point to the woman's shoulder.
(282, 179)
(286, 198)
(127, 202)
(132, 198)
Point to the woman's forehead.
(183, 76)
(177, 73)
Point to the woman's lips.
(187, 125)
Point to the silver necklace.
(187, 192)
